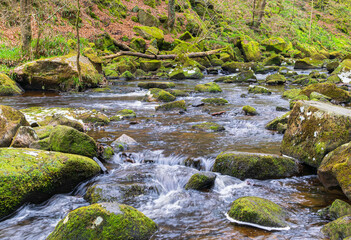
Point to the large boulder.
(308, 63)
(335, 169)
(251, 50)
(275, 79)
(25, 137)
(149, 33)
(315, 129)
(276, 44)
(211, 87)
(104, 221)
(69, 140)
(338, 229)
(258, 211)
(28, 175)
(330, 90)
(10, 120)
(244, 165)
(147, 19)
(58, 73)
(234, 67)
(343, 71)
(201, 181)
(8, 87)
(338, 209)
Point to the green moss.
(275, 79)
(123, 114)
(259, 211)
(248, 110)
(274, 60)
(292, 93)
(308, 63)
(161, 95)
(208, 87)
(339, 209)
(161, 85)
(259, 90)
(209, 126)
(186, 36)
(107, 153)
(8, 87)
(149, 33)
(104, 221)
(69, 140)
(177, 105)
(138, 44)
(338, 229)
(330, 90)
(234, 67)
(152, 65)
(275, 44)
(251, 50)
(178, 93)
(273, 125)
(150, 3)
(127, 75)
(201, 181)
(34, 175)
(253, 165)
(215, 101)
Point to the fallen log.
(163, 57)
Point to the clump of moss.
(161, 95)
(259, 90)
(177, 105)
(161, 85)
(248, 110)
(123, 114)
(209, 126)
(208, 87)
(201, 181)
(215, 101)
(275, 79)
(8, 87)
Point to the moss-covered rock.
(234, 67)
(201, 181)
(127, 75)
(330, 90)
(259, 90)
(208, 87)
(29, 175)
(273, 125)
(157, 94)
(251, 50)
(331, 66)
(319, 97)
(344, 71)
(335, 169)
(258, 211)
(104, 221)
(124, 142)
(215, 101)
(338, 229)
(123, 114)
(287, 72)
(274, 60)
(178, 93)
(308, 63)
(255, 165)
(147, 19)
(161, 85)
(58, 73)
(338, 209)
(189, 72)
(8, 87)
(61, 119)
(186, 36)
(292, 93)
(138, 44)
(25, 137)
(315, 129)
(152, 65)
(242, 77)
(107, 153)
(275, 79)
(209, 126)
(10, 121)
(275, 44)
(248, 110)
(176, 105)
(69, 140)
(333, 79)
(149, 33)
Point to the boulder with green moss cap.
(209, 126)
(176, 105)
(308, 63)
(58, 73)
(161, 85)
(25, 137)
(338, 229)
(274, 60)
(151, 65)
(29, 175)
(10, 121)
(251, 50)
(339, 208)
(208, 87)
(123, 114)
(104, 221)
(315, 129)
(276, 44)
(234, 67)
(259, 90)
(248, 110)
(127, 75)
(201, 181)
(244, 165)
(8, 87)
(275, 79)
(156, 94)
(149, 33)
(242, 77)
(330, 90)
(273, 125)
(258, 211)
(215, 101)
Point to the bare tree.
(26, 28)
(78, 43)
(261, 12)
(171, 13)
(311, 19)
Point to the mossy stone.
(248, 110)
(215, 101)
(275, 44)
(138, 44)
(149, 33)
(292, 93)
(338, 229)
(251, 50)
(258, 211)
(275, 79)
(123, 114)
(208, 87)
(209, 126)
(176, 105)
(338, 209)
(69, 140)
(315, 129)
(308, 63)
(161, 85)
(104, 221)
(330, 90)
(274, 60)
(127, 75)
(273, 125)
(244, 165)
(161, 95)
(201, 181)
(29, 175)
(179, 93)
(8, 87)
(259, 90)
(25, 137)
(333, 79)
(234, 67)
(147, 19)
(186, 36)
(152, 65)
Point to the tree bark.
(309, 35)
(163, 57)
(26, 28)
(78, 45)
(171, 14)
(261, 13)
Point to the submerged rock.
(58, 73)
(338, 229)
(258, 211)
(123, 114)
(124, 142)
(8, 87)
(315, 129)
(161, 85)
(201, 181)
(244, 165)
(209, 126)
(156, 94)
(248, 110)
(335, 169)
(215, 101)
(10, 121)
(104, 221)
(259, 90)
(208, 87)
(29, 175)
(176, 105)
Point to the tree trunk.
(309, 35)
(171, 14)
(261, 13)
(253, 12)
(78, 44)
(26, 28)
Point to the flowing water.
(167, 140)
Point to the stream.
(166, 139)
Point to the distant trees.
(26, 28)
